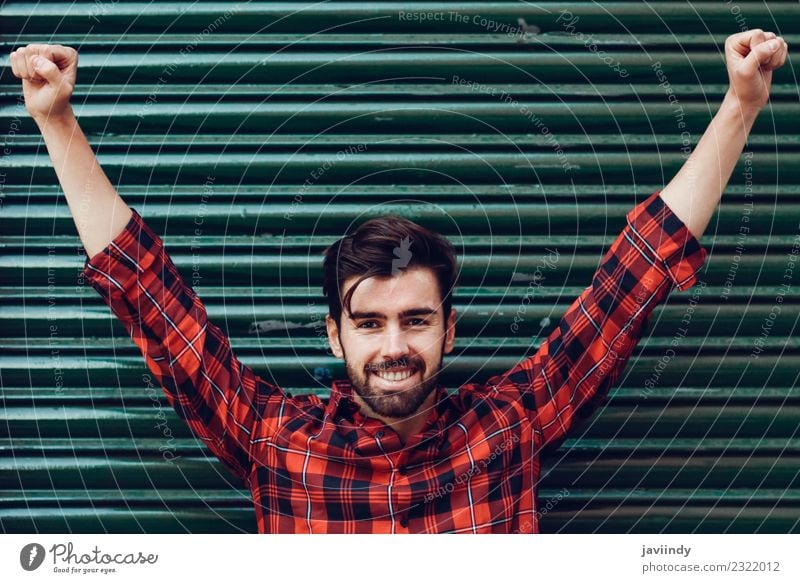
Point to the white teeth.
(395, 376)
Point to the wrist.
(747, 112)
(61, 121)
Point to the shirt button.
(403, 470)
(404, 521)
(379, 434)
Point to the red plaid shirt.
(319, 465)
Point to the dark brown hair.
(385, 246)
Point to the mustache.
(397, 363)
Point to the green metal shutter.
(252, 135)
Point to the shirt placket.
(399, 490)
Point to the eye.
(365, 325)
(419, 322)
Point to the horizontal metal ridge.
(332, 40)
(399, 142)
(422, 89)
(573, 193)
(514, 17)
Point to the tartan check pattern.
(317, 465)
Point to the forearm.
(99, 212)
(695, 191)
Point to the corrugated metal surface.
(252, 135)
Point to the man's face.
(393, 341)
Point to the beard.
(395, 405)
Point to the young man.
(392, 450)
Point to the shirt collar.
(341, 403)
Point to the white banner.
(386, 558)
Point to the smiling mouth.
(395, 375)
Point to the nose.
(395, 344)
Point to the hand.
(751, 57)
(47, 83)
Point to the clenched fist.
(48, 75)
(751, 57)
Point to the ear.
(450, 332)
(333, 336)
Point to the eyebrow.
(404, 314)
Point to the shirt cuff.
(114, 269)
(667, 240)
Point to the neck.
(406, 426)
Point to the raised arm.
(48, 74)
(224, 402)
(695, 191)
(658, 250)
